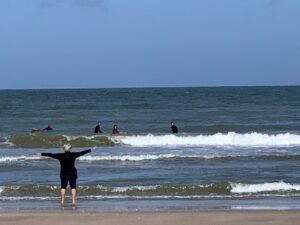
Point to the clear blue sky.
(148, 43)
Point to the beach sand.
(154, 218)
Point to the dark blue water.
(195, 110)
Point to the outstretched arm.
(78, 154)
(52, 155)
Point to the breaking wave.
(217, 190)
(218, 139)
(55, 141)
(264, 187)
(150, 157)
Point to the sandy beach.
(213, 218)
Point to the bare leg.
(73, 191)
(62, 195)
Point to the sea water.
(237, 148)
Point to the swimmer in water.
(115, 130)
(98, 129)
(48, 128)
(174, 128)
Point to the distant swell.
(168, 191)
(218, 139)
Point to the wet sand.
(154, 218)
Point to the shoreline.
(160, 218)
(151, 206)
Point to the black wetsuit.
(48, 128)
(97, 129)
(68, 172)
(174, 129)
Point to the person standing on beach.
(174, 128)
(98, 129)
(68, 172)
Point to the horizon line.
(150, 87)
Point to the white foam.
(155, 197)
(219, 139)
(26, 198)
(113, 157)
(264, 187)
(145, 188)
(140, 188)
(72, 138)
(125, 188)
(18, 158)
(127, 157)
(7, 142)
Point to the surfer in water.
(48, 128)
(34, 130)
(68, 172)
(115, 130)
(98, 129)
(45, 129)
(174, 128)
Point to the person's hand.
(93, 148)
(39, 154)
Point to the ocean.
(237, 148)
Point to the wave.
(218, 139)
(228, 189)
(18, 158)
(22, 158)
(222, 188)
(149, 157)
(129, 157)
(265, 187)
(55, 141)
(122, 158)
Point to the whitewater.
(219, 139)
(252, 139)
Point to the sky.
(148, 43)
